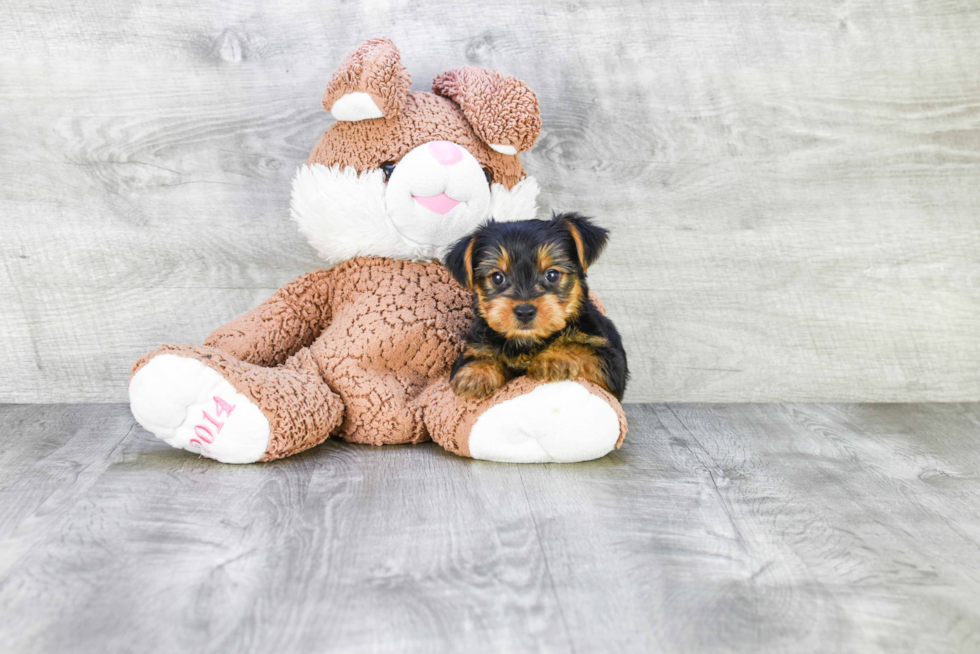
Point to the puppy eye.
(489, 175)
(387, 169)
(552, 276)
(497, 278)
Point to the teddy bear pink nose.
(445, 152)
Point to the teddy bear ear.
(370, 83)
(502, 110)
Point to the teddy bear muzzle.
(437, 193)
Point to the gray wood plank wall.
(793, 188)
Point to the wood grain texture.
(792, 188)
(716, 528)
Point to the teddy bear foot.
(559, 422)
(527, 422)
(189, 406)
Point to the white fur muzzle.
(344, 215)
(433, 201)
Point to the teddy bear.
(362, 349)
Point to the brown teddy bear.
(362, 350)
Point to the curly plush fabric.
(292, 318)
(365, 144)
(502, 110)
(375, 68)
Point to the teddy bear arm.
(276, 329)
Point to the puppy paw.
(555, 365)
(478, 379)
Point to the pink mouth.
(441, 203)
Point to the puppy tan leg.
(567, 360)
(479, 378)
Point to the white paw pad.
(560, 422)
(190, 406)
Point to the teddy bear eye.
(552, 276)
(497, 278)
(489, 175)
(387, 169)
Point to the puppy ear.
(370, 83)
(459, 261)
(589, 238)
(503, 111)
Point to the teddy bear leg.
(203, 400)
(527, 422)
(377, 410)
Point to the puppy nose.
(445, 152)
(525, 312)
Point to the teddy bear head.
(404, 173)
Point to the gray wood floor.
(747, 528)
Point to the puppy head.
(528, 277)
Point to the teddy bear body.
(389, 330)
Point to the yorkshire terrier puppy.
(533, 312)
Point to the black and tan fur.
(533, 312)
